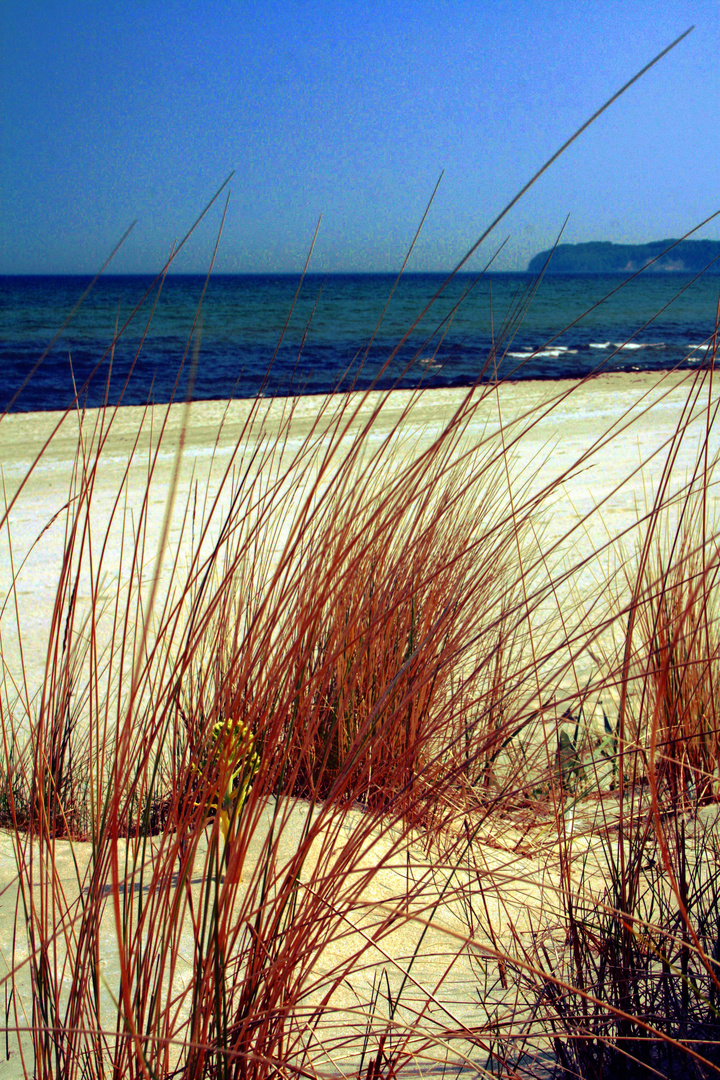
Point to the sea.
(137, 339)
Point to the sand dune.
(606, 440)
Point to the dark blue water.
(249, 339)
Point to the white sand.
(640, 411)
(551, 448)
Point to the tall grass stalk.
(348, 755)
(276, 819)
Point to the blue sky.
(111, 112)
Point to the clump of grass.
(340, 660)
(626, 978)
(385, 664)
(367, 632)
(332, 757)
(631, 994)
(679, 628)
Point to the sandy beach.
(602, 448)
(607, 439)
(360, 708)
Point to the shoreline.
(34, 427)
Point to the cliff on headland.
(603, 257)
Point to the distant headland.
(603, 257)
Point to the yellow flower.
(233, 762)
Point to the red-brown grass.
(377, 620)
(314, 786)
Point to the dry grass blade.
(359, 754)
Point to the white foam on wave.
(558, 350)
(636, 345)
(696, 354)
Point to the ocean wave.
(321, 349)
(553, 353)
(622, 345)
(697, 354)
(630, 346)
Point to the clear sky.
(138, 109)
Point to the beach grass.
(360, 752)
(315, 781)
